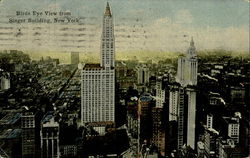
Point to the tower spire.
(192, 41)
(107, 11)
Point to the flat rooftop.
(49, 115)
(231, 120)
(10, 118)
(92, 66)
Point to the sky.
(140, 25)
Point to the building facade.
(173, 102)
(191, 115)
(160, 94)
(186, 103)
(29, 134)
(4, 80)
(188, 67)
(209, 120)
(98, 81)
(181, 121)
(142, 74)
(232, 126)
(49, 137)
(74, 57)
(158, 137)
(145, 104)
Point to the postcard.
(124, 78)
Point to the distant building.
(158, 138)
(200, 149)
(4, 80)
(98, 82)
(49, 136)
(245, 134)
(125, 76)
(188, 67)
(227, 149)
(181, 121)
(191, 116)
(142, 74)
(145, 105)
(30, 134)
(209, 120)
(187, 77)
(173, 102)
(74, 58)
(160, 93)
(210, 140)
(132, 117)
(237, 94)
(68, 151)
(186, 117)
(231, 128)
(224, 146)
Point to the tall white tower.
(188, 67)
(191, 116)
(187, 77)
(107, 40)
(98, 82)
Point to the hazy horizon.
(64, 57)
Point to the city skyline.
(168, 98)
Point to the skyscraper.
(191, 115)
(74, 58)
(188, 67)
(160, 93)
(50, 136)
(173, 102)
(108, 40)
(187, 77)
(158, 135)
(30, 142)
(142, 74)
(98, 81)
(181, 121)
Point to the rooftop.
(47, 117)
(15, 133)
(146, 98)
(10, 118)
(100, 123)
(10, 133)
(213, 131)
(231, 120)
(92, 66)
